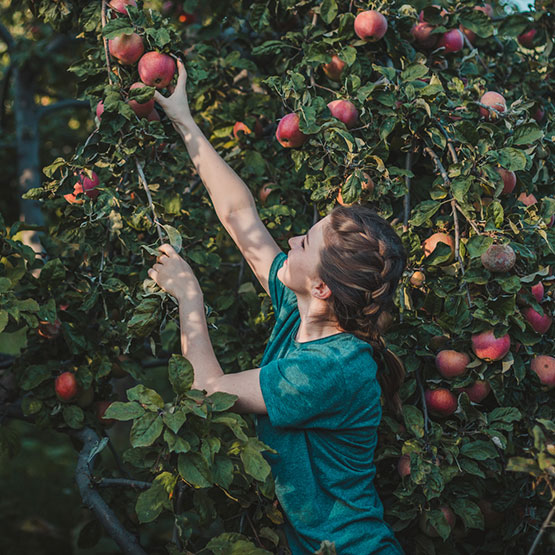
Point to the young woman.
(316, 394)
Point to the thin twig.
(120, 482)
(103, 19)
(423, 399)
(406, 200)
(542, 530)
(142, 179)
(475, 52)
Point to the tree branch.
(121, 482)
(542, 530)
(6, 36)
(127, 542)
(406, 200)
(142, 179)
(60, 105)
(105, 42)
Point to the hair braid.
(361, 263)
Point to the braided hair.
(361, 263)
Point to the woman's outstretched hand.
(176, 106)
(175, 276)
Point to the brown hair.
(361, 262)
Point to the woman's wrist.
(185, 124)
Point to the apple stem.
(105, 42)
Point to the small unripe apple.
(440, 401)
(370, 25)
(498, 258)
(403, 466)
(431, 242)
(452, 41)
(127, 49)
(66, 386)
(477, 392)
(509, 180)
(141, 109)
(539, 323)
(527, 200)
(418, 278)
(288, 133)
(334, 69)
(544, 367)
(451, 364)
(156, 69)
(527, 39)
(422, 34)
(493, 100)
(120, 6)
(490, 348)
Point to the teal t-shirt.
(323, 402)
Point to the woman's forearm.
(227, 190)
(196, 346)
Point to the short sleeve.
(279, 294)
(300, 395)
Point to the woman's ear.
(321, 291)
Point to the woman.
(316, 394)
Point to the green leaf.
(194, 469)
(174, 420)
(423, 211)
(221, 401)
(174, 237)
(180, 374)
(222, 471)
(151, 502)
(232, 543)
(253, 461)
(527, 134)
(469, 512)
(477, 245)
(33, 375)
(479, 450)
(328, 10)
(12, 343)
(74, 416)
(50, 170)
(511, 159)
(234, 422)
(504, 414)
(414, 71)
(522, 464)
(124, 411)
(414, 420)
(116, 27)
(145, 317)
(146, 430)
(148, 398)
(175, 443)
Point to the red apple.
(127, 49)
(452, 41)
(99, 110)
(431, 242)
(509, 180)
(120, 6)
(334, 69)
(477, 392)
(544, 367)
(527, 38)
(89, 184)
(538, 291)
(288, 133)
(367, 185)
(264, 192)
(539, 323)
(451, 364)
(429, 530)
(539, 114)
(66, 386)
(142, 109)
(101, 407)
(344, 111)
(156, 69)
(49, 330)
(470, 35)
(490, 348)
(440, 401)
(403, 466)
(486, 8)
(527, 200)
(498, 258)
(153, 116)
(370, 25)
(493, 100)
(422, 34)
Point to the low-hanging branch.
(127, 542)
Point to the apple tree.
(438, 116)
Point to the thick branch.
(127, 542)
(61, 104)
(6, 36)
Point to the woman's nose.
(292, 241)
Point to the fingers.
(181, 74)
(159, 98)
(167, 249)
